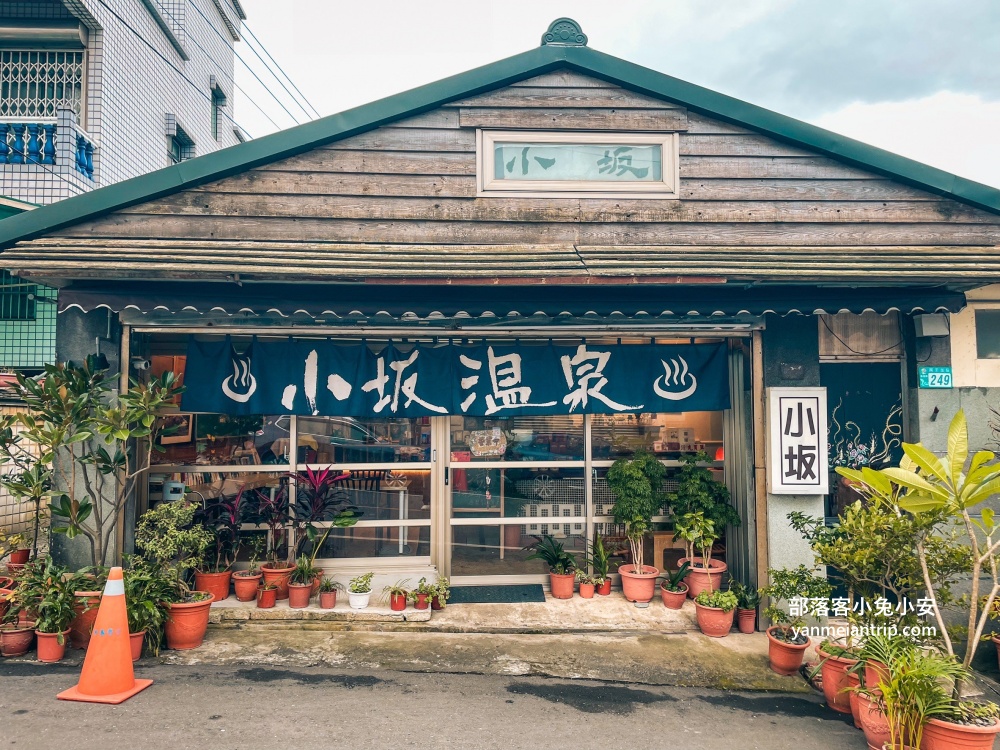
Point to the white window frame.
(487, 186)
(968, 370)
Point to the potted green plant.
(587, 583)
(747, 601)
(562, 565)
(77, 436)
(441, 593)
(396, 593)
(245, 582)
(673, 589)
(599, 561)
(300, 584)
(698, 491)
(699, 534)
(421, 595)
(267, 595)
(16, 636)
(359, 590)
(637, 487)
(328, 593)
(715, 610)
(792, 594)
(173, 545)
(14, 547)
(46, 590)
(145, 608)
(88, 588)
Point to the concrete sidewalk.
(606, 638)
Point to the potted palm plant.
(397, 594)
(715, 611)
(637, 486)
(792, 594)
(300, 584)
(562, 565)
(245, 582)
(599, 561)
(673, 590)
(359, 590)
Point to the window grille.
(35, 83)
(17, 298)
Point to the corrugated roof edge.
(286, 143)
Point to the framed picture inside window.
(176, 429)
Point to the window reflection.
(550, 438)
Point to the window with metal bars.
(17, 298)
(36, 83)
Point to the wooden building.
(561, 196)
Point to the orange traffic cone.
(107, 675)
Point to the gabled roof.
(552, 55)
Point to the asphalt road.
(243, 708)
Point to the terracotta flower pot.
(873, 722)
(561, 586)
(423, 601)
(327, 599)
(605, 588)
(699, 579)
(217, 584)
(49, 647)
(746, 620)
(713, 621)
(317, 579)
(397, 602)
(135, 641)
(785, 658)
(835, 682)
(15, 640)
(186, 624)
(436, 603)
(299, 595)
(943, 735)
(636, 587)
(15, 569)
(280, 576)
(853, 681)
(266, 598)
(674, 599)
(82, 625)
(587, 590)
(20, 556)
(875, 672)
(245, 586)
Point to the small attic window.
(605, 164)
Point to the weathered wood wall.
(414, 183)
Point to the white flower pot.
(359, 601)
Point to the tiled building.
(93, 92)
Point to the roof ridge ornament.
(564, 32)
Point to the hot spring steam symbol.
(676, 374)
(240, 386)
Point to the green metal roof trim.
(549, 57)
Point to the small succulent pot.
(327, 599)
(673, 599)
(746, 620)
(605, 588)
(587, 590)
(299, 595)
(266, 598)
(245, 585)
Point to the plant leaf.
(958, 445)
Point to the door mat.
(531, 592)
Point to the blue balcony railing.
(48, 142)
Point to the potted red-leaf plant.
(637, 485)
(224, 518)
(321, 504)
(271, 509)
(793, 594)
(561, 564)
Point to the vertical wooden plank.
(759, 457)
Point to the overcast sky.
(918, 77)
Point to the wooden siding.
(401, 201)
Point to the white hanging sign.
(797, 458)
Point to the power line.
(221, 67)
(252, 71)
(278, 66)
(168, 62)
